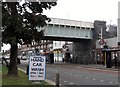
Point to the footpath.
(93, 66)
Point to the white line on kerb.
(78, 67)
(22, 70)
(49, 81)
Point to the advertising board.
(37, 67)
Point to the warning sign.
(101, 41)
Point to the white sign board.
(37, 67)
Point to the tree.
(20, 23)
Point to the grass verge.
(0, 75)
(22, 79)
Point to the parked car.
(23, 58)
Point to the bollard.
(57, 80)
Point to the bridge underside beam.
(64, 39)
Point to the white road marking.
(71, 83)
(65, 81)
(95, 69)
(70, 74)
(110, 82)
(102, 80)
(79, 75)
(94, 79)
(87, 77)
(76, 75)
(78, 67)
(110, 70)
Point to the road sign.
(37, 67)
(101, 41)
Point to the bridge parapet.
(67, 22)
(69, 29)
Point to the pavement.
(93, 66)
(102, 67)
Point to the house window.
(55, 44)
(60, 43)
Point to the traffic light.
(105, 46)
(99, 36)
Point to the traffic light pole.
(105, 58)
(102, 45)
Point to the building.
(112, 31)
(55, 51)
(110, 39)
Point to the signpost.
(37, 67)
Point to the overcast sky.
(84, 10)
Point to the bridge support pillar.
(82, 52)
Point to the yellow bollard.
(105, 58)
